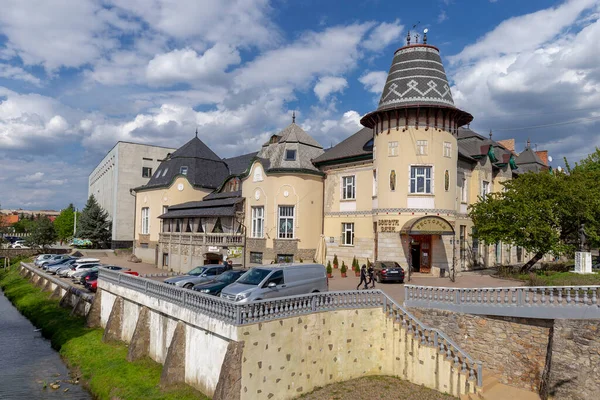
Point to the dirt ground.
(375, 388)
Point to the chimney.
(543, 155)
(509, 144)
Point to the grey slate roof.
(222, 195)
(472, 144)
(528, 160)
(206, 208)
(272, 155)
(204, 167)
(352, 146)
(238, 165)
(416, 77)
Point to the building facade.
(125, 166)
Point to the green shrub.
(344, 268)
(335, 261)
(329, 269)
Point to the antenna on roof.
(416, 34)
(490, 134)
(425, 35)
(196, 131)
(528, 143)
(293, 117)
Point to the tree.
(24, 225)
(540, 212)
(93, 224)
(42, 234)
(589, 164)
(64, 223)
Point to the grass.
(554, 278)
(102, 366)
(375, 387)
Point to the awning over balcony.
(207, 208)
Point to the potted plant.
(343, 269)
(356, 268)
(335, 261)
(329, 270)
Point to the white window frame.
(485, 188)
(447, 149)
(258, 222)
(417, 176)
(422, 147)
(145, 220)
(347, 228)
(349, 187)
(393, 149)
(280, 217)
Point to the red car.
(92, 284)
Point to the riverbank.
(102, 367)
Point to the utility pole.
(75, 224)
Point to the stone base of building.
(283, 250)
(121, 244)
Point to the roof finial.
(408, 38)
(196, 131)
(416, 38)
(425, 35)
(490, 134)
(528, 143)
(293, 117)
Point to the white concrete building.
(126, 166)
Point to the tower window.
(183, 170)
(290, 155)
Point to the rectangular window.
(348, 187)
(447, 149)
(290, 155)
(166, 223)
(146, 172)
(145, 220)
(463, 244)
(485, 188)
(286, 222)
(463, 191)
(420, 180)
(258, 221)
(374, 183)
(256, 257)
(165, 259)
(284, 258)
(392, 149)
(183, 170)
(422, 147)
(348, 234)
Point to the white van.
(277, 280)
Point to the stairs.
(493, 389)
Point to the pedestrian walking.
(363, 277)
(371, 272)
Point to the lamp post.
(75, 224)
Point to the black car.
(92, 272)
(215, 286)
(388, 271)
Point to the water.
(27, 361)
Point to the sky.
(76, 76)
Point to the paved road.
(394, 290)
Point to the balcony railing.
(209, 239)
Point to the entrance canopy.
(428, 225)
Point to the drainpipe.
(134, 194)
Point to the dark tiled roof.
(200, 212)
(528, 156)
(204, 168)
(352, 146)
(222, 195)
(238, 165)
(207, 203)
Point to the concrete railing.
(266, 310)
(545, 302)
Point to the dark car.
(215, 286)
(90, 274)
(388, 271)
(54, 263)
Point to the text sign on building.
(389, 225)
(432, 226)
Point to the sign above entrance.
(388, 225)
(430, 225)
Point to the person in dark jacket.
(371, 272)
(363, 277)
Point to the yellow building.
(398, 189)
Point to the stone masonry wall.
(575, 365)
(514, 348)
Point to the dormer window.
(165, 172)
(290, 155)
(183, 170)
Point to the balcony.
(202, 239)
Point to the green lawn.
(103, 367)
(553, 278)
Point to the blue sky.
(77, 76)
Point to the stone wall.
(575, 362)
(514, 348)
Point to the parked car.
(53, 263)
(195, 276)
(55, 258)
(388, 271)
(79, 276)
(76, 267)
(19, 245)
(215, 286)
(54, 269)
(91, 284)
(40, 258)
(278, 280)
(131, 273)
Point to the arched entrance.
(419, 233)
(213, 258)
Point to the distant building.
(125, 166)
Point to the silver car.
(195, 276)
(278, 280)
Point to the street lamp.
(75, 224)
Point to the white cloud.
(442, 16)
(12, 72)
(185, 65)
(328, 85)
(374, 81)
(38, 176)
(383, 35)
